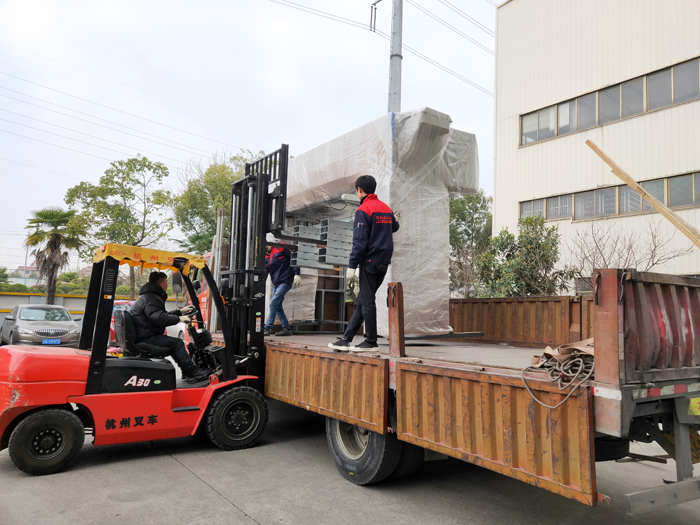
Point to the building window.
(567, 117)
(586, 111)
(697, 187)
(538, 207)
(526, 209)
(680, 190)
(548, 123)
(659, 89)
(630, 200)
(686, 82)
(673, 85)
(558, 207)
(585, 205)
(656, 189)
(632, 97)
(610, 104)
(529, 128)
(532, 208)
(605, 202)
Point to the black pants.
(177, 350)
(371, 278)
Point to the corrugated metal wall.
(549, 51)
(342, 386)
(492, 421)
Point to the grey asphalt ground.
(289, 478)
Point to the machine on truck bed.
(49, 395)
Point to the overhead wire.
(119, 110)
(467, 17)
(98, 138)
(139, 88)
(359, 25)
(92, 116)
(75, 150)
(43, 169)
(451, 27)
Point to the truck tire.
(46, 441)
(362, 456)
(236, 417)
(611, 448)
(411, 460)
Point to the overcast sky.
(176, 80)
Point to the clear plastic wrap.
(418, 162)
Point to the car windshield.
(126, 307)
(44, 314)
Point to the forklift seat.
(125, 336)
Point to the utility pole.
(395, 58)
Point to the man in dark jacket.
(284, 277)
(372, 248)
(151, 320)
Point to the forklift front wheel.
(236, 417)
(46, 441)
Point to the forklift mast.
(258, 208)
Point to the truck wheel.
(46, 441)
(236, 417)
(362, 456)
(411, 459)
(611, 448)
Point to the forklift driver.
(151, 320)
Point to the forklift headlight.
(24, 331)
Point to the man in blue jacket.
(284, 277)
(372, 248)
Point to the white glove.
(350, 273)
(297, 281)
(185, 319)
(187, 309)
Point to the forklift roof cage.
(100, 301)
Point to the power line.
(385, 36)
(107, 127)
(453, 28)
(57, 146)
(119, 110)
(139, 88)
(92, 116)
(77, 140)
(42, 169)
(467, 17)
(494, 4)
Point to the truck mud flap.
(490, 420)
(343, 386)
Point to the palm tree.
(52, 234)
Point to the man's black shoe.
(283, 332)
(340, 344)
(197, 374)
(267, 333)
(364, 346)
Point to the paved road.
(289, 478)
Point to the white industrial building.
(622, 73)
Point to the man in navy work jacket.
(372, 248)
(283, 278)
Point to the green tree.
(470, 233)
(204, 191)
(4, 276)
(526, 265)
(68, 277)
(53, 233)
(129, 205)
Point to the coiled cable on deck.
(570, 374)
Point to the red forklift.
(50, 395)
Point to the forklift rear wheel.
(411, 459)
(362, 456)
(46, 441)
(236, 417)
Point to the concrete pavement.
(289, 478)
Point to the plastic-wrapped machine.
(418, 162)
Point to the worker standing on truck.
(284, 277)
(151, 320)
(372, 248)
